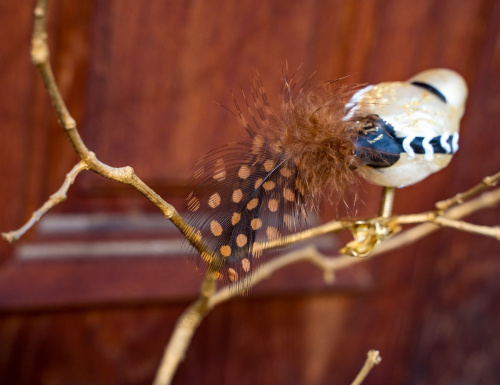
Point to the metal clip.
(368, 234)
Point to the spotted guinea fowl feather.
(252, 192)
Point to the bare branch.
(40, 55)
(56, 198)
(330, 265)
(429, 216)
(329, 227)
(486, 200)
(181, 337)
(372, 359)
(487, 182)
(469, 227)
(414, 218)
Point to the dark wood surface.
(140, 80)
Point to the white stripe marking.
(407, 146)
(428, 150)
(444, 142)
(454, 142)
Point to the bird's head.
(449, 84)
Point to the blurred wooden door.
(91, 294)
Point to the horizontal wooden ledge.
(55, 284)
(122, 259)
(162, 248)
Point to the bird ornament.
(248, 195)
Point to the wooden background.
(140, 78)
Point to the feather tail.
(254, 191)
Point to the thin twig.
(487, 231)
(56, 198)
(372, 359)
(40, 55)
(429, 216)
(182, 335)
(414, 218)
(487, 182)
(333, 264)
(326, 228)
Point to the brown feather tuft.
(309, 129)
(248, 194)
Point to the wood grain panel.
(16, 122)
(459, 318)
(152, 83)
(140, 80)
(92, 347)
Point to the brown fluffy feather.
(254, 191)
(310, 130)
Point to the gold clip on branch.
(368, 234)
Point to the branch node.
(90, 159)
(329, 276)
(490, 181)
(208, 287)
(58, 198)
(39, 12)
(9, 237)
(374, 357)
(129, 171)
(68, 123)
(39, 50)
(460, 198)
